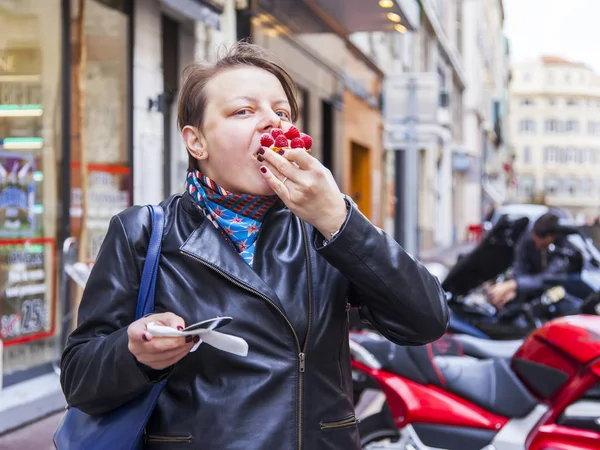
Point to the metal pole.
(411, 170)
(65, 168)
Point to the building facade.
(423, 124)
(555, 133)
(480, 180)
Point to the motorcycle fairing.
(492, 257)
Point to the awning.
(371, 15)
(206, 11)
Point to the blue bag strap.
(145, 303)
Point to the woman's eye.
(283, 114)
(242, 112)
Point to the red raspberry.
(266, 140)
(281, 141)
(307, 141)
(297, 143)
(292, 133)
(275, 132)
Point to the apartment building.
(555, 131)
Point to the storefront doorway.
(361, 177)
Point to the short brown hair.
(192, 97)
(546, 225)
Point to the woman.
(286, 268)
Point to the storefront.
(363, 138)
(65, 95)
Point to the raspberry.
(292, 133)
(307, 141)
(276, 132)
(281, 141)
(266, 140)
(297, 143)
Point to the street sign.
(396, 93)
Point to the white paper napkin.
(216, 339)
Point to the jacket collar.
(207, 245)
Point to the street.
(37, 436)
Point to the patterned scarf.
(239, 215)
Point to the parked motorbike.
(433, 397)
(465, 283)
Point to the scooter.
(470, 312)
(433, 397)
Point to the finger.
(157, 357)
(275, 183)
(164, 344)
(167, 319)
(176, 358)
(137, 334)
(302, 159)
(282, 165)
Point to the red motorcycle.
(433, 397)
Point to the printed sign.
(17, 195)
(27, 290)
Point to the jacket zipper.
(342, 345)
(301, 349)
(302, 366)
(153, 438)
(352, 420)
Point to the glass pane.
(100, 84)
(30, 143)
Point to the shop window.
(101, 166)
(30, 146)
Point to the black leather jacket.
(531, 267)
(293, 390)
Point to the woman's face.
(242, 103)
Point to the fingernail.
(281, 152)
(188, 339)
(145, 337)
(179, 327)
(261, 151)
(263, 169)
(260, 158)
(196, 339)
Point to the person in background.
(531, 262)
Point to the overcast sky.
(566, 28)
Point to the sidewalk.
(29, 401)
(37, 436)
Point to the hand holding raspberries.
(292, 138)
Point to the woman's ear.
(194, 142)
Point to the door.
(361, 178)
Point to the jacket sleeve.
(397, 294)
(522, 260)
(98, 372)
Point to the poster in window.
(17, 195)
(27, 290)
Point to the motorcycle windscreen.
(493, 256)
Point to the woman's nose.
(271, 120)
